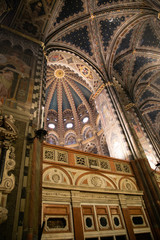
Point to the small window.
(122, 237)
(85, 119)
(69, 125)
(51, 125)
(89, 222)
(56, 223)
(116, 221)
(91, 238)
(106, 238)
(138, 220)
(142, 236)
(103, 221)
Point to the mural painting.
(112, 130)
(37, 8)
(15, 80)
(55, 57)
(85, 71)
(147, 147)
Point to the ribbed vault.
(116, 38)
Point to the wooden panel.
(56, 209)
(87, 210)
(135, 210)
(101, 210)
(128, 223)
(114, 210)
(78, 228)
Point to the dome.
(70, 113)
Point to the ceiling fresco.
(66, 93)
(110, 38)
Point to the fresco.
(115, 139)
(146, 145)
(85, 71)
(55, 57)
(37, 8)
(16, 85)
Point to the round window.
(103, 221)
(85, 119)
(69, 125)
(88, 222)
(116, 221)
(51, 125)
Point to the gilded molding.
(129, 106)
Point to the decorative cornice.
(129, 106)
(26, 37)
(22, 35)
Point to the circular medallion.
(56, 178)
(96, 181)
(59, 73)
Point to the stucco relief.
(95, 181)
(127, 184)
(56, 176)
(8, 133)
(71, 177)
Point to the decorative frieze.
(122, 167)
(92, 162)
(50, 154)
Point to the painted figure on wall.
(15, 83)
(147, 147)
(37, 8)
(6, 80)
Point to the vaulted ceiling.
(119, 38)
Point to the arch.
(64, 177)
(52, 139)
(102, 180)
(91, 80)
(91, 148)
(126, 183)
(87, 131)
(119, 35)
(70, 138)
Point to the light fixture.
(39, 134)
(69, 125)
(85, 119)
(157, 165)
(51, 125)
